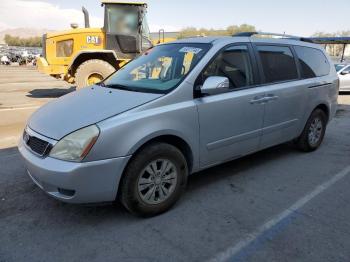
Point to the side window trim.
(256, 75)
(297, 62)
(261, 70)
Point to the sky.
(298, 17)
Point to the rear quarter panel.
(322, 92)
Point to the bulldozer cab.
(126, 28)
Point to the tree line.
(230, 30)
(27, 42)
(189, 32)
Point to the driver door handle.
(263, 99)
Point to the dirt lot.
(276, 205)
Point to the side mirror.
(345, 72)
(214, 85)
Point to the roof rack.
(283, 36)
(250, 34)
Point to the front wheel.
(154, 180)
(314, 132)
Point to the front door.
(231, 123)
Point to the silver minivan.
(179, 108)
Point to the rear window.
(278, 63)
(313, 62)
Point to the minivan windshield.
(160, 69)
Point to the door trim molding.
(271, 129)
(234, 139)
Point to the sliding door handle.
(258, 100)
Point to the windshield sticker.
(194, 50)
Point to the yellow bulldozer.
(86, 56)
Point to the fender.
(111, 53)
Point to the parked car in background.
(180, 108)
(343, 71)
(4, 60)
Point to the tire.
(308, 142)
(96, 68)
(137, 195)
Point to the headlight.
(75, 146)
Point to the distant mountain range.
(23, 32)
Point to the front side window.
(233, 63)
(278, 63)
(146, 39)
(159, 70)
(313, 62)
(145, 28)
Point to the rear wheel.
(314, 132)
(91, 72)
(154, 180)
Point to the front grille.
(37, 145)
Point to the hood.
(83, 108)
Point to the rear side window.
(278, 63)
(313, 62)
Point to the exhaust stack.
(86, 17)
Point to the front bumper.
(86, 182)
(44, 67)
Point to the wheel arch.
(170, 139)
(324, 108)
(106, 55)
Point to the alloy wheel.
(315, 131)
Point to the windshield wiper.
(126, 88)
(116, 86)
